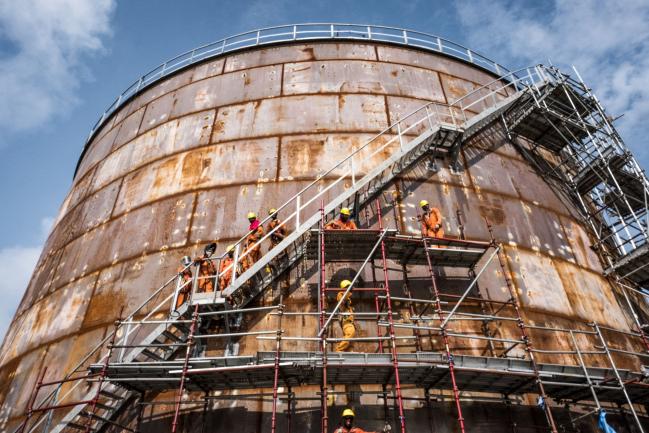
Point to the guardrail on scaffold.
(300, 32)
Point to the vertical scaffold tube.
(447, 348)
(278, 348)
(393, 341)
(183, 375)
(323, 338)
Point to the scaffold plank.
(356, 245)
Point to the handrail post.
(399, 133)
(294, 32)
(258, 34)
(297, 212)
(235, 263)
(351, 167)
(405, 37)
(430, 122)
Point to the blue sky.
(63, 61)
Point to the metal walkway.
(424, 369)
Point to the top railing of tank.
(300, 32)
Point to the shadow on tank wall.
(433, 417)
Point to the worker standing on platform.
(226, 268)
(255, 233)
(346, 318)
(431, 221)
(344, 221)
(207, 270)
(279, 234)
(348, 424)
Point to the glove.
(387, 428)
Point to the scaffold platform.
(425, 370)
(357, 245)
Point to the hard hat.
(209, 249)
(348, 412)
(252, 215)
(345, 211)
(272, 211)
(345, 283)
(229, 249)
(423, 203)
(186, 261)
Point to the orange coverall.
(346, 322)
(339, 224)
(226, 278)
(342, 429)
(206, 276)
(429, 221)
(254, 252)
(185, 283)
(279, 234)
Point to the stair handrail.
(101, 344)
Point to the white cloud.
(607, 40)
(42, 44)
(16, 267)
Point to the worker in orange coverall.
(255, 233)
(207, 270)
(348, 424)
(431, 221)
(344, 221)
(225, 270)
(185, 281)
(279, 234)
(346, 320)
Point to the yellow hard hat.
(348, 412)
(272, 211)
(252, 215)
(423, 203)
(230, 248)
(345, 211)
(345, 283)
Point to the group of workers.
(431, 226)
(250, 254)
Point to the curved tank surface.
(181, 162)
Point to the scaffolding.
(161, 345)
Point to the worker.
(431, 221)
(279, 234)
(344, 221)
(207, 270)
(184, 281)
(348, 424)
(346, 318)
(225, 270)
(252, 252)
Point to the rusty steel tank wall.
(183, 162)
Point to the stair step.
(150, 354)
(104, 420)
(110, 395)
(172, 336)
(74, 425)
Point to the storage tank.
(242, 125)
